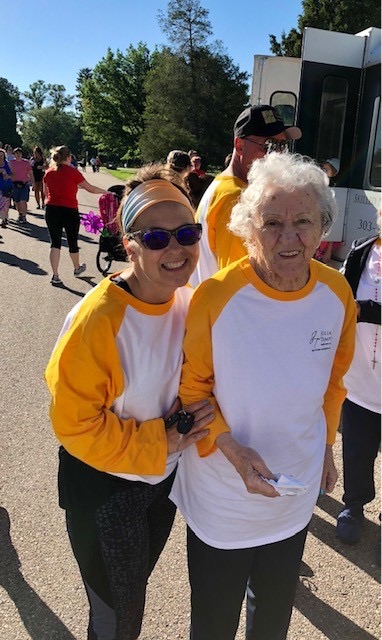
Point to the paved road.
(41, 595)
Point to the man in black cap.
(257, 131)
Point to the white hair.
(283, 172)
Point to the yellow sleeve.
(197, 380)
(336, 392)
(84, 378)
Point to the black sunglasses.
(155, 238)
(271, 145)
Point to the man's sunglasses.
(155, 238)
(271, 145)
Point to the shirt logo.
(321, 340)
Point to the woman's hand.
(203, 412)
(329, 471)
(249, 465)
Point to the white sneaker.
(56, 280)
(81, 269)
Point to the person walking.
(38, 168)
(62, 181)
(6, 187)
(22, 176)
(114, 378)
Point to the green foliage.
(347, 16)
(48, 127)
(40, 92)
(36, 95)
(113, 100)
(14, 93)
(186, 25)
(194, 92)
(9, 97)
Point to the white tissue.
(287, 485)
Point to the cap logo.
(269, 117)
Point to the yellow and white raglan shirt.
(114, 370)
(218, 246)
(274, 362)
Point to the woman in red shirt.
(61, 183)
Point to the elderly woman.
(268, 340)
(114, 377)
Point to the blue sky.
(52, 40)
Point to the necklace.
(377, 282)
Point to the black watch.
(182, 419)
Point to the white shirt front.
(363, 380)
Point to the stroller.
(110, 245)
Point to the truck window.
(332, 117)
(375, 168)
(284, 102)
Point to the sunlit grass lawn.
(126, 174)
(122, 174)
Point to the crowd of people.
(166, 395)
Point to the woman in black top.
(38, 167)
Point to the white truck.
(333, 93)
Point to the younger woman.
(114, 377)
(61, 182)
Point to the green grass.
(126, 174)
(122, 174)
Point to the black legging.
(59, 219)
(117, 529)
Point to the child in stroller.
(110, 242)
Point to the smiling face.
(288, 230)
(158, 273)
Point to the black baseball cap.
(263, 121)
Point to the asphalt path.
(41, 594)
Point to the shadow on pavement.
(333, 624)
(40, 622)
(22, 263)
(80, 294)
(41, 233)
(363, 555)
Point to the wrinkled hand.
(249, 464)
(203, 412)
(329, 472)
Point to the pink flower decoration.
(92, 222)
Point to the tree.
(40, 93)
(113, 101)
(10, 105)
(49, 127)
(82, 77)
(36, 95)
(186, 25)
(57, 97)
(194, 91)
(347, 16)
